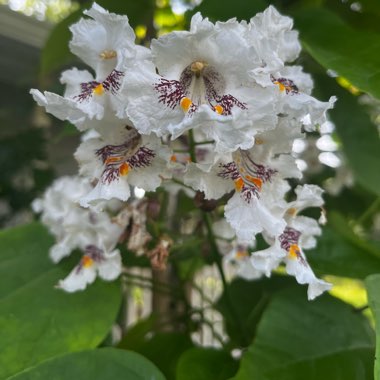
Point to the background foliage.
(273, 332)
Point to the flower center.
(286, 85)
(289, 241)
(119, 160)
(197, 67)
(247, 175)
(108, 54)
(98, 90)
(292, 211)
(92, 255)
(111, 84)
(87, 261)
(199, 84)
(241, 254)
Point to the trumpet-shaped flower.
(119, 160)
(95, 262)
(200, 85)
(73, 226)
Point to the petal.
(118, 189)
(78, 279)
(248, 219)
(268, 259)
(110, 267)
(209, 182)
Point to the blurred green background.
(341, 50)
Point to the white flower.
(257, 205)
(235, 254)
(294, 99)
(307, 196)
(206, 178)
(240, 258)
(106, 42)
(288, 246)
(73, 226)
(297, 265)
(249, 214)
(119, 160)
(274, 42)
(288, 250)
(201, 85)
(87, 103)
(94, 263)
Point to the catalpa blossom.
(87, 103)
(295, 100)
(258, 180)
(95, 262)
(288, 246)
(73, 226)
(105, 43)
(199, 85)
(274, 42)
(119, 160)
(236, 255)
(217, 110)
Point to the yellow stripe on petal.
(185, 104)
(241, 255)
(98, 90)
(124, 168)
(239, 184)
(256, 181)
(294, 251)
(87, 261)
(218, 109)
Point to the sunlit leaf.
(298, 339)
(373, 286)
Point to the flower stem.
(177, 181)
(204, 142)
(370, 210)
(226, 289)
(192, 146)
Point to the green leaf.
(343, 228)
(304, 338)
(206, 364)
(353, 364)
(358, 134)
(351, 53)
(248, 299)
(222, 11)
(37, 321)
(136, 334)
(173, 344)
(341, 252)
(101, 364)
(373, 285)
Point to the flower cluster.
(215, 109)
